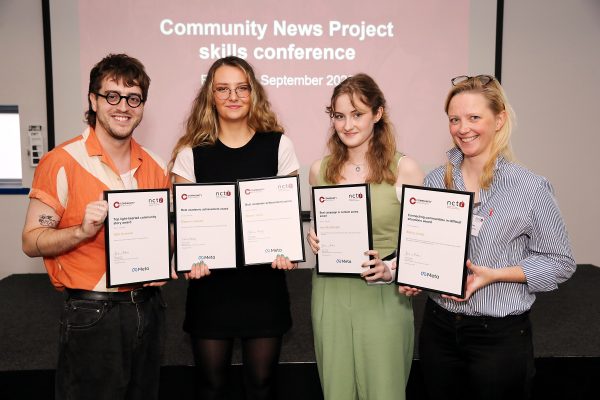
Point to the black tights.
(213, 357)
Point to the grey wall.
(550, 71)
(21, 82)
(550, 61)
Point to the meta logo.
(224, 194)
(455, 204)
(342, 261)
(429, 275)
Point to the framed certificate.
(204, 225)
(270, 219)
(137, 236)
(343, 225)
(433, 244)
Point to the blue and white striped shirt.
(522, 226)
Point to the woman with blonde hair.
(231, 134)
(481, 345)
(363, 331)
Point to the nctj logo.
(155, 201)
(455, 204)
(355, 196)
(223, 194)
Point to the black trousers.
(111, 350)
(465, 357)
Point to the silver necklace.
(357, 167)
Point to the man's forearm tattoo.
(47, 220)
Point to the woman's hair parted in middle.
(382, 146)
(202, 126)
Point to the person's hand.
(283, 262)
(199, 270)
(477, 278)
(375, 268)
(313, 241)
(408, 291)
(93, 218)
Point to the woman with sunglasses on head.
(231, 134)
(363, 332)
(481, 346)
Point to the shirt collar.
(455, 156)
(94, 148)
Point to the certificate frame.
(354, 254)
(120, 205)
(424, 253)
(252, 187)
(218, 192)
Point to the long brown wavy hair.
(202, 126)
(382, 145)
(497, 102)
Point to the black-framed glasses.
(114, 98)
(483, 79)
(223, 92)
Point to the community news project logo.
(323, 199)
(251, 191)
(118, 204)
(414, 200)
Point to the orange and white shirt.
(75, 174)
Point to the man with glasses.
(110, 339)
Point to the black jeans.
(484, 358)
(109, 349)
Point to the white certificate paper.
(435, 226)
(270, 219)
(204, 225)
(137, 237)
(343, 225)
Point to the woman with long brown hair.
(364, 331)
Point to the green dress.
(364, 334)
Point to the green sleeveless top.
(385, 210)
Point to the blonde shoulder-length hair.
(202, 125)
(382, 145)
(496, 99)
